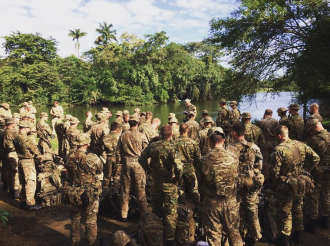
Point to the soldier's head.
(208, 122)
(82, 140)
(24, 126)
(173, 121)
(10, 123)
(216, 137)
(126, 115)
(115, 127)
(55, 103)
(187, 101)
(222, 102)
(313, 126)
(170, 115)
(155, 123)
(119, 114)
(166, 132)
(246, 117)
(233, 104)
(133, 121)
(314, 108)
(44, 115)
(16, 117)
(143, 115)
(149, 116)
(89, 114)
(205, 113)
(294, 108)
(74, 122)
(191, 115)
(238, 131)
(268, 113)
(184, 129)
(281, 112)
(281, 133)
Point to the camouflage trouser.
(227, 137)
(4, 171)
(13, 171)
(28, 178)
(108, 168)
(188, 183)
(60, 146)
(132, 172)
(45, 150)
(266, 152)
(318, 202)
(91, 222)
(221, 215)
(165, 205)
(249, 205)
(290, 213)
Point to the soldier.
(253, 133)
(125, 124)
(202, 139)
(110, 142)
(23, 109)
(171, 115)
(5, 111)
(314, 112)
(173, 122)
(70, 135)
(146, 128)
(267, 126)
(295, 122)
(217, 174)
(143, 117)
(107, 112)
(130, 146)
(281, 112)
(11, 158)
(4, 169)
(44, 133)
(27, 111)
(98, 131)
(84, 189)
(319, 200)
(205, 114)
(56, 109)
(137, 112)
(223, 119)
(166, 171)
(250, 164)
(193, 125)
(235, 114)
(33, 109)
(289, 161)
(27, 151)
(59, 129)
(119, 117)
(189, 155)
(88, 122)
(154, 131)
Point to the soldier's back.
(267, 127)
(296, 127)
(193, 129)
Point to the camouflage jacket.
(175, 132)
(292, 157)
(98, 131)
(165, 165)
(191, 107)
(131, 143)
(188, 150)
(235, 115)
(147, 129)
(43, 129)
(203, 141)
(88, 125)
(317, 116)
(25, 148)
(217, 174)
(320, 143)
(254, 135)
(267, 126)
(8, 140)
(223, 119)
(56, 110)
(30, 114)
(295, 126)
(201, 123)
(110, 142)
(83, 168)
(2, 147)
(59, 129)
(70, 135)
(119, 120)
(4, 114)
(193, 129)
(125, 126)
(283, 121)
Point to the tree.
(76, 34)
(106, 34)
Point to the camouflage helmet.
(82, 139)
(125, 112)
(205, 112)
(9, 121)
(136, 110)
(208, 119)
(5, 105)
(119, 113)
(74, 120)
(187, 100)
(294, 106)
(170, 115)
(24, 124)
(215, 130)
(246, 115)
(223, 100)
(191, 113)
(134, 118)
(105, 110)
(120, 238)
(43, 114)
(281, 110)
(173, 120)
(233, 103)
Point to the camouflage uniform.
(254, 135)
(4, 168)
(84, 190)
(147, 129)
(295, 126)
(110, 142)
(217, 174)
(189, 155)
(284, 121)
(290, 158)
(5, 111)
(55, 111)
(44, 145)
(235, 115)
(166, 171)
(194, 128)
(59, 129)
(267, 126)
(97, 132)
(130, 146)
(87, 125)
(26, 151)
(307, 135)
(203, 141)
(319, 200)
(191, 108)
(223, 121)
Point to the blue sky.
(182, 20)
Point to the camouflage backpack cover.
(151, 230)
(185, 228)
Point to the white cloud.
(55, 18)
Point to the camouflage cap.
(281, 110)
(294, 106)
(215, 130)
(191, 113)
(246, 115)
(173, 120)
(68, 117)
(9, 121)
(5, 105)
(233, 103)
(170, 115)
(125, 112)
(223, 100)
(205, 112)
(120, 238)
(74, 120)
(136, 110)
(43, 114)
(134, 117)
(187, 100)
(81, 139)
(105, 110)
(24, 124)
(16, 115)
(208, 119)
(119, 113)
(103, 117)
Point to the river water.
(256, 107)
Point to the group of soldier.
(217, 169)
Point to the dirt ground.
(51, 227)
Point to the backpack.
(151, 230)
(185, 228)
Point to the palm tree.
(76, 34)
(106, 34)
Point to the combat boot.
(297, 237)
(34, 207)
(324, 222)
(311, 225)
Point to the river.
(256, 108)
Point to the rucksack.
(151, 230)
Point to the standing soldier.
(137, 112)
(11, 157)
(223, 119)
(146, 128)
(84, 189)
(295, 122)
(189, 107)
(70, 135)
(4, 168)
(44, 133)
(130, 146)
(205, 114)
(189, 155)
(253, 133)
(319, 200)
(173, 122)
(88, 122)
(217, 174)
(5, 111)
(235, 114)
(33, 109)
(267, 126)
(314, 114)
(110, 142)
(59, 129)
(203, 140)
(98, 131)
(56, 109)
(281, 112)
(119, 117)
(166, 171)
(291, 158)
(22, 110)
(193, 125)
(125, 124)
(27, 151)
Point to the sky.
(182, 20)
